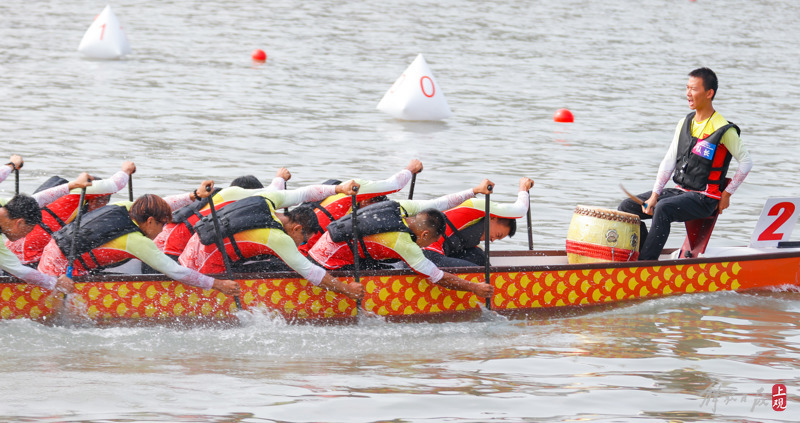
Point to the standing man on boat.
(698, 161)
(397, 230)
(62, 211)
(18, 217)
(465, 229)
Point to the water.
(189, 104)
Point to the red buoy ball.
(259, 55)
(563, 115)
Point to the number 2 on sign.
(784, 211)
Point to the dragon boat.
(526, 283)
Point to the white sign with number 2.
(776, 222)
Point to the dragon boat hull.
(527, 283)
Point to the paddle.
(355, 242)
(221, 245)
(72, 257)
(130, 188)
(486, 238)
(530, 230)
(411, 190)
(16, 174)
(59, 306)
(633, 197)
(285, 187)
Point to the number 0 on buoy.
(415, 95)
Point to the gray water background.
(189, 104)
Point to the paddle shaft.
(16, 181)
(72, 256)
(285, 187)
(221, 246)
(530, 230)
(356, 257)
(486, 239)
(130, 187)
(411, 190)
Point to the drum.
(599, 235)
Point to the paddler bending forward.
(18, 217)
(396, 230)
(117, 233)
(465, 228)
(258, 238)
(62, 211)
(176, 234)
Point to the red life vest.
(464, 229)
(173, 238)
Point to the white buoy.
(416, 95)
(105, 38)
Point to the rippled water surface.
(189, 104)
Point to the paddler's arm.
(111, 185)
(285, 248)
(445, 202)
(392, 184)
(181, 200)
(513, 210)
(14, 162)
(145, 250)
(413, 256)
(294, 197)
(279, 181)
(352, 290)
(452, 281)
(49, 195)
(10, 263)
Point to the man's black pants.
(673, 205)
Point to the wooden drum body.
(600, 235)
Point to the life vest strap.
(325, 211)
(55, 217)
(235, 249)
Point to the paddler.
(62, 211)
(336, 206)
(697, 160)
(15, 162)
(114, 234)
(465, 229)
(396, 230)
(18, 217)
(258, 238)
(172, 240)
